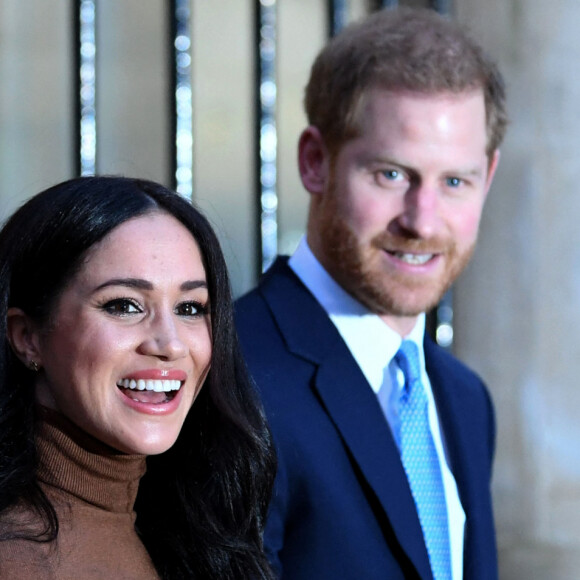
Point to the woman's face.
(129, 341)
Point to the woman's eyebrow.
(127, 282)
(141, 284)
(193, 284)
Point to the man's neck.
(403, 325)
(311, 267)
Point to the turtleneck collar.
(74, 462)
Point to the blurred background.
(206, 96)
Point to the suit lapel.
(461, 410)
(449, 402)
(354, 409)
(350, 404)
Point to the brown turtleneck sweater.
(93, 490)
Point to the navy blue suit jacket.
(342, 508)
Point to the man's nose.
(420, 215)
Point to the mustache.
(394, 243)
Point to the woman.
(119, 344)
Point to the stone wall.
(517, 308)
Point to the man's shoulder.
(441, 361)
(247, 305)
(278, 293)
(277, 272)
(255, 321)
(275, 324)
(452, 379)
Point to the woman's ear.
(23, 337)
(313, 160)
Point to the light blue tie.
(421, 463)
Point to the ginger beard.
(359, 267)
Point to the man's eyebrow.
(469, 172)
(141, 284)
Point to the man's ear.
(23, 337)
(491, 168)
(313, 160)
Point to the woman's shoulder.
(91, 550)
(27, 559)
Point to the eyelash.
(392, 178)
(200, 309)
(120, 306)
(392, 174)
(457, 181)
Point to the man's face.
(398, 217)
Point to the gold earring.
(34, 366)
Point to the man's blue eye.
(453, 181)
(392, 174)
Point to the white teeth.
(414, 259)
(148, 385)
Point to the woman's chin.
(153, 444)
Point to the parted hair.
(201, 505)
(402, 49)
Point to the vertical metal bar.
(337, 16)
(181, 125)
(76, 86)
(442, 314)
(85, 52)
(266, 132)
(442, 6)
(378, 4)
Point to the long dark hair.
(201, 505)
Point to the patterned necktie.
(421, 464)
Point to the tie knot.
(407, 358)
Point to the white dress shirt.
(373, 345)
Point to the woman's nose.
(163, 340)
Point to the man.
(405, 115)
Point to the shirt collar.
(371, 341)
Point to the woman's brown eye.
(191, 309)
(121, 306)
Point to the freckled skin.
(101, 334)
(413, 182)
